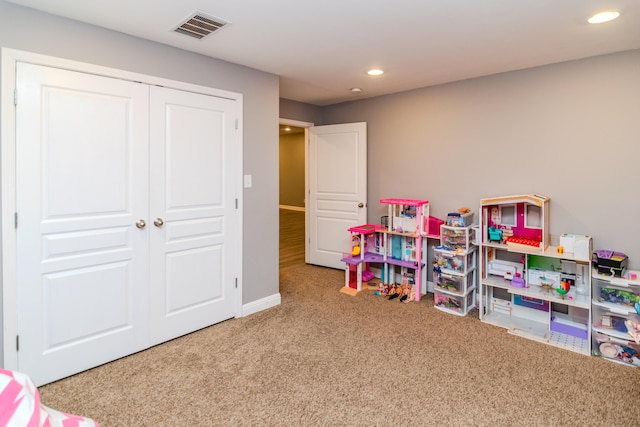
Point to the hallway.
(292, 245)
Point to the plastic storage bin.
(460, 220)
(619, 298)
(456, 238)
(612, 322)
(623, 351)
(455, 262)
(456, 304)
(454, 283)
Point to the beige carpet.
(326, 358)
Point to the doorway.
(335, 188)
(292, 199)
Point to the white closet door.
(82, 184)
(193, 254)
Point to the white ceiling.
(320, 49)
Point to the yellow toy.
(355, 245)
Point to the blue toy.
(495, 235)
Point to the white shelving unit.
(613, 303)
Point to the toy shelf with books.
(616, 316)
(532, 289)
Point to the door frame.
(8, 280)
(306, 126)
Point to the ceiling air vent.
(200, 25)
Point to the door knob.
(361, 205)
(158, 222)
(141, 224)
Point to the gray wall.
(29, 30)
(569, 131)
(300, 111)
(292, 169)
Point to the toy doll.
(394, 292)
(408, 294)
(633, 329)
(436, 272)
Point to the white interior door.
(337, 189)
(82, 184)
(193, 249)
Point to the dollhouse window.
(532, 217)
(508, 215)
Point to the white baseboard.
(292, 208)
(261, 304)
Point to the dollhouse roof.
(534, 199)
(406, 202)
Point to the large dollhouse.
(396, 247)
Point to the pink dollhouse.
(367, 245)
(396, 245)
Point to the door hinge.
(236, 203)
(15, 220)
(17, 342)
(15, 97)
(236, 124)
(236, 283)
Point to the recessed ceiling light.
(601, 17)
(375, 72)
(355, 90)
(287, 129)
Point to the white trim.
(261, 304)
(8, 197)
(292, 208)
(8, 63)
(306, 126)
(295, 123)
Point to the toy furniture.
(527, 286)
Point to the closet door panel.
(192, 254)
(82, 184)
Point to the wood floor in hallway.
(292, 245)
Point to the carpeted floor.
(326, 358)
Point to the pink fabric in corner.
(20, 405)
